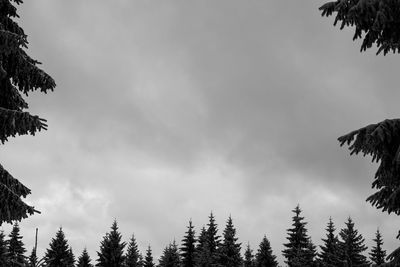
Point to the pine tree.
(264, 256)
(330, 254)
(213, 240)
(188, 247)
(60, 253)
(203, 257)
(148, 260)
(377, 254)
(16, 249)
(111, 249)
(170, 256)
(3, 250)
(132, 254)
(229, 250)
(352, 245)
(299, 251)
(18, 74)
(248, 257)
(84, 259)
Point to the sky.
(166, 111)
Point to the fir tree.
(3, 250)
(111, 249)
(377, 254)
(330, 254)
(248, 257)
(188, 247)
(264, 256)
(148, 260)
(213, 240)
(229, 250)
(16, 249)
(132, 254)
(60, 253)
(170, 256)
(18, 74)
(84, 259)
(203, 257)
(299, 251)
(352, 245)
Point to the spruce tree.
(330, 253)
(248, 257)
(148, 259)
(16, 249)
(60, 253)
(170, 256)
(229, 250)
(84, 259)
(203, 257)
(19, 74)
(111, 249)
(352, 245)
(377, 254)
(213, 240)
(264, 256)
(299, 250)
(3, 250)
(188, 247)
(132, 254)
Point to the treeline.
(205, 249)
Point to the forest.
(205, 247)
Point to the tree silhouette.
(264, 256)
(248, 257)
(229, 250)
(60, 253)
(19, 74)
(111, 249)
(377, 254)
(132, 258)
(16, 249)
(148, 259)
(330, 251)
(188, 247)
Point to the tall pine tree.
(170, 256)
(111, 252)
(299, 250)
(132, 254)
(19, 75)
(84, 259)
(330, 253)
(188, 247)
(60, 253)
(148, 259)
(377, 254)
(229, 250)
(16, 249)
(203, 257)
(264, 256)
(352, 245)
(248, 257)
(3, 250)
(213, 240)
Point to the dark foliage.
(60, 253)
(375, 21)
(188, 247)
(132, 257)
(170, 256)
(16, 249)
(229, 250)
(330, 255)
(19, 74)
(3, 250)
(148, 259)
(264, 256)
(111, 249)
(84, 259)
(377, 254)
(248, 257)
(352, 245)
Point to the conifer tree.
(170, 256)
(264, 256)
(132, 254)
(111, 249)
(148, 259)
(60, 253)
(188, 247)
(16, 249)
(330, 253)
(377, 254)
(229, 250)
(299, 250)
(248, 257)
(84, 259)
(203, 257)
(3, 250)
(18, 74)
(213, 240)
(352, 245)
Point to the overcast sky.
(168, 110)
